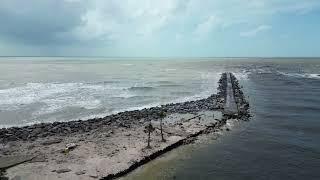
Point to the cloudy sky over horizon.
(159, 28)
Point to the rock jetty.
(112, 146)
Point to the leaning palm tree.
(149, 128)
(162, 116)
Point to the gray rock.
(93, 176)
(80, 172)
(52, 141)
(59, 171)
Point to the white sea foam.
(13, 98)
(55, 95)
(124, 94)
(127, 64)
(263, 71)
(244, 75)
(316, 76)
(301, 75)
(53, 105)
(170, 69)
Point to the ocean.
(35, 90)
(281, 141)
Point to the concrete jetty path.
(230, 107)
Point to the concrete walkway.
(6, 162)
(230, 107)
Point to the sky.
(160, 28)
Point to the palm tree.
(162, 116)
(149, 128)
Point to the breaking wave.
(301, 75)
(141, 88)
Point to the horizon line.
(174, 56)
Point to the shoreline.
(102, 138)
(42, 130)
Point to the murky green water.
(281, 142)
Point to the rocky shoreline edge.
(214, 102)
(122, 119)
(132, 119)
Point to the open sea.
(282, 140)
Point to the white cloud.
(94, 27)
(205, 27)
(255, 31)
(116, 19)
(132, 23)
